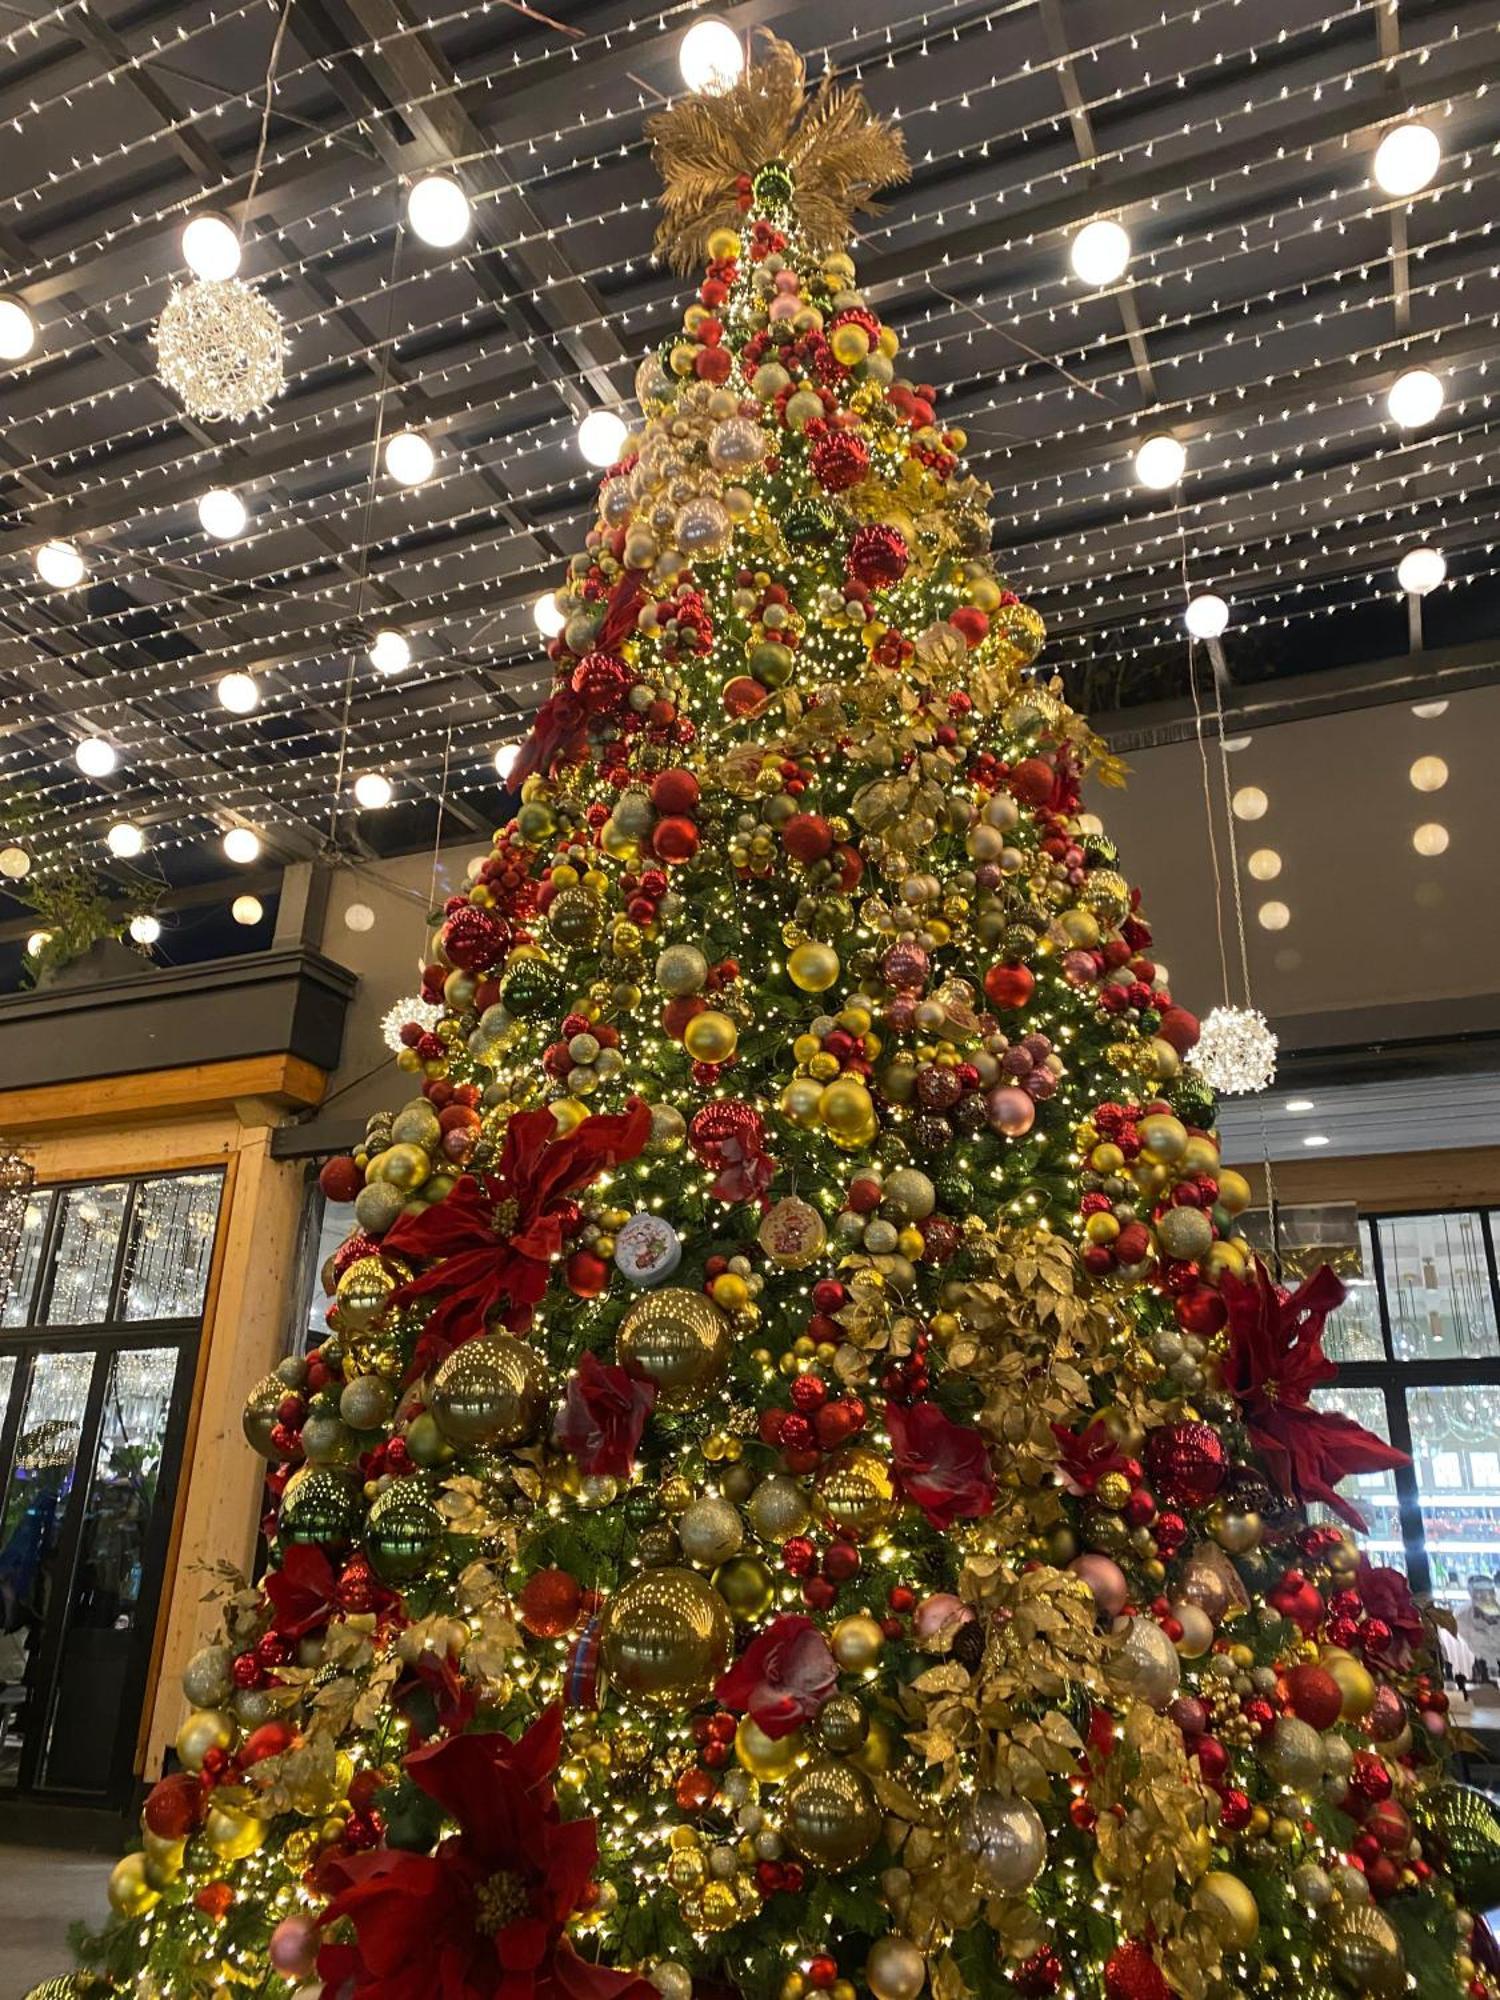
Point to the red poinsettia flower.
(560, 731)
(1274, 1363)
(483, 1917)
(782, 1678)
(603, 1413)
(940, 1466)
(305, 1591)
(1385, 1593)
(1085, 1456)
(491, 1243)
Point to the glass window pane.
(83, 1263)
(1373, 1493)
(105, 1601)
(1455, 1436)
(19, 1293)
(1437, 1288)
(170, 1247)
(1353, 1332)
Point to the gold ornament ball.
(1294, 1755)
(232, 1834)
(769, 1758)
(746, 1586)
(1366, 1951)
(895, 1969)
(677, 1339)
(829, 1815)
(665, 1637)
(258, 1418)
(778, 1508)
(801, 1099)
(575, 917)
(842, 1724)
(129, 1892)
(847, 1111)
(710, 1531)
(813, 967)
(318, 1506)
(856, 1642)
(855, 1494)
(364, 1292)
(1163, 1137)
(204, 1730)
(1231, 1910)
(710, 1036)
(1185, 1233)
(681, 969)
(1354, 1680)
(490, 1391)
(1238, 1534)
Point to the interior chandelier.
(1236, 1051)
(221, 349)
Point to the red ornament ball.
(1040, 1976)
(1009, 986)
(174, 1806)
(675, 839)
(1131, 1973)
(743, 696)
(474, 940)
(1314, 1696)
(587, 1274)
(549, 1603)
(970, 623)
(340, 1179)
(215, 1899)
(1186, 1462)
(675, 791)
(839, 460)
(807, 837)
(1179, 1029)
(1391, 1826)
(877, 556)
(1032, 780)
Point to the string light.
(1407, 158)
(1100, 252)
(601, 437)
(425, 1013)
(145, 929)
(409, 458)
(1160, 461)
(710, 56)
(222, 513)
(1236, 1050)
(390, 651)
(1420, 570)
(1206, 616)
(60, 564)
(241, 845)
(1414, 398)
(247, 909)
(239, 693)
(373, 790)
(17, 328)
(211, 246)
(95, 757)
(438, 211)
(124, 841)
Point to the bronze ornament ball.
(665, 1638)
(680, 1341)
(259, 1418)
(490, 1391)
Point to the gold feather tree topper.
(832, 151)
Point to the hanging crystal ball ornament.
(1236, 1051)
(221, 349)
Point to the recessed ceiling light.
(211, 246)
(1431, 839)
(241, 845)
(1264, 864)
(1100, 251)
(1300, 1104)
(1160, 461)
(1429, 711)
(438, 210)
(409, 458)
(372, 789)
(17, 328)
(1315, 1138)
(1414, 399)
(1429, 774)
(1407, 158)
(1273, 916)
(711, 57)
(1249, 802)
(601, 436)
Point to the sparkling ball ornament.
(1294, 1755)
(1366, 1952)
(206, 1680)
(1005, 1839)
(1185, 1233)
(404, 1530)
(1315, 1696)
(792, 1233)
(221, 349)
(318, 1507)
(1230, 1908)
(680, 1341)
(878, 556)
(829, 1815)
(1131, 1973)
(665, 1638)
(681, 970)
(259, 1417)
(1147, 1664)
(895, 1969)
(1466, 1826)
(855, 1494)
(130, 1893)
(204, 1730)
(490, 1391)
(778, 1508)
(549, 1603)
(1186, 1462)
(710, 1531)
(1236, 1051)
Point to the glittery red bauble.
(1186, 1462)
(340, 1179)
(1201, 1310)
(357, 1587)
(839, 460)
(695, 1790)
(1370, 1781)
(1037, 1977)
(174, 1806)
(877, 556)
(1179, 1029)
(1169, 1532)
(549, 1603)
(1032, 780)
(1314, 1696)
(1009, 985)
(473, 939)
(807, 837)
(675, 791)
(215, 1899)
(1391, 1826)
(603, 678)
(1131, 1973)
(1234, 1809)
(724, 1122)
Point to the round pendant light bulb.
(545, 615)
(1431, 839)
(390, 651)
(1207, 615)
(1100, 252)
(124, 841)
(37, 943)
(505, 759)
(95, 757)
(601, 436)
(15, 864)
(145, 929)
(17, 328)
(711, 57)
(241, 845)
(247, 909)
(239, 693)
(1160, 461)
(1414, 398)
(60, 564)
(438, 210)
(409, 458)
(211, 246)
(222, 513)
(1421, 569)
(373, 790)
(1407, 158)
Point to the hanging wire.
(272, 65)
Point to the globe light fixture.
(222, 513)
(124, 841)
(1421, 569)
(438, 210)
(505, 759)
(17, 328)
(241, 845)
(1264, 864)
(409, 458)
(1207, 615)
(37, 943)
(711, 56)
(1431, 839)
(247, 909)
(145, 929)
(1414, 398)
(60, 564)
(373, 790)
(95, 757)
(359, 917)
(15, 864)
(239, 693)
(1273, 916)
(1236, 1051)
(1160, 461)
(601, 436)
(1249, 802)
(545, 615)
(211, 246)
(1407, 158)
(390, 651)
(1428, 774)
(1100, 252)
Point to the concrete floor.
(43, 1891)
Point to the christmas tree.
(804, 1488)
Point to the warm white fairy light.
(124, 841)
(409, 458)
(390, 651)
(711, 56)
(438, 210)
(601, 437)
(222, 513)
(221, 350)
(1160, 461)
(426, 1014)
(239, 693)
(211, 246)
(1236, 1051)
(1100, 252)
(17, 328)
(373, 790)
(241, 845)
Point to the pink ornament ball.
(934, 1612)
(293, 1948)
(1010, 1111)
(1105, 1579)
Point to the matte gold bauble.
(258, 1418)
(895, 1969)
(1366, 1951)
(490, 1391)
(364, 1293)
(681, 969)
(232, 1834)
(404, 1530)
(778, 1508)
(1232, 1912)
(746, 1586)
(770, 1758)
(847, 1111)
(130, 1894)
(665, 1638)
(829, 1815)
(680, 1341)
(204, 1730)
(1354, 1682)
(710, 1036)
(856, 1642)
(855, 1493)
(710, 1531)
(813, 967)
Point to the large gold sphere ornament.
(1294, 1755)
(665, 1637)
(203, 1730)
(1005, 1839)
(856, 1642)
(855, 1493)
(792, 1233)
(232, 1834)
(895, 1969)
(258, 1418)
(680, 1341)
(710, 1037)
(779, 1507)
(364, 1293)
(813, 967)
(746, 1586)
(1017, 633)
(847, 1112)
(770, 1758)
(1355, 1682)
(829, 1815)
(490, 1391)
(404, 1530)
(1366, 1951)
(129, 1892)
(1231, 1910)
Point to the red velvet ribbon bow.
(1274, 1363)
(490, 1244)
(562, 721)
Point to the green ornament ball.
(318, 1507)
(404, 1530)
(531, 990)
(1466, 1825)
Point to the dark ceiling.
(1273, 296)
